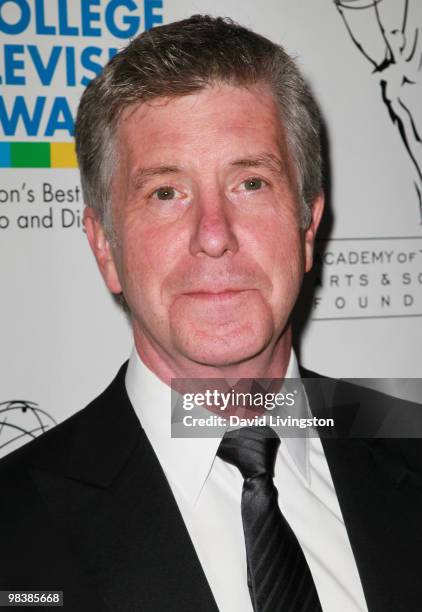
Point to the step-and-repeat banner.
(62, 337)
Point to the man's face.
(209, 251)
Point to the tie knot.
(251, 449)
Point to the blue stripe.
(4, 154)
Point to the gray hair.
(182, 58)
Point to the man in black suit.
(200, 162)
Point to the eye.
(165, 193)
(253, 184)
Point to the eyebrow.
(267, 160)
(142, 175)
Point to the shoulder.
(358, 392)
(389, 426)
(52, 449)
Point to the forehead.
(217, 120)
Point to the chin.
(221, 351)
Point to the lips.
(216, 296)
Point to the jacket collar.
(378, 486)
(106, 435)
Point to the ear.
(101, 248)
(310, 233)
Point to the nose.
(214, 232)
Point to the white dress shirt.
(208, 492)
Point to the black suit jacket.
(86, 509)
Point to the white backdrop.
(62, 337)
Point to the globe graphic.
(357, 4)
(20, 422)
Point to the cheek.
(140, 267)
(281, 256)
(149, 255)
(281, 249)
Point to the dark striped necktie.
(279, 578)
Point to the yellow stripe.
(63, 155)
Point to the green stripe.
(30, 154)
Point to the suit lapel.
(380, 499)
(381, 506)
(118, 516)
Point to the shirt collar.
(187, 462)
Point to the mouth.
(221, 295)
